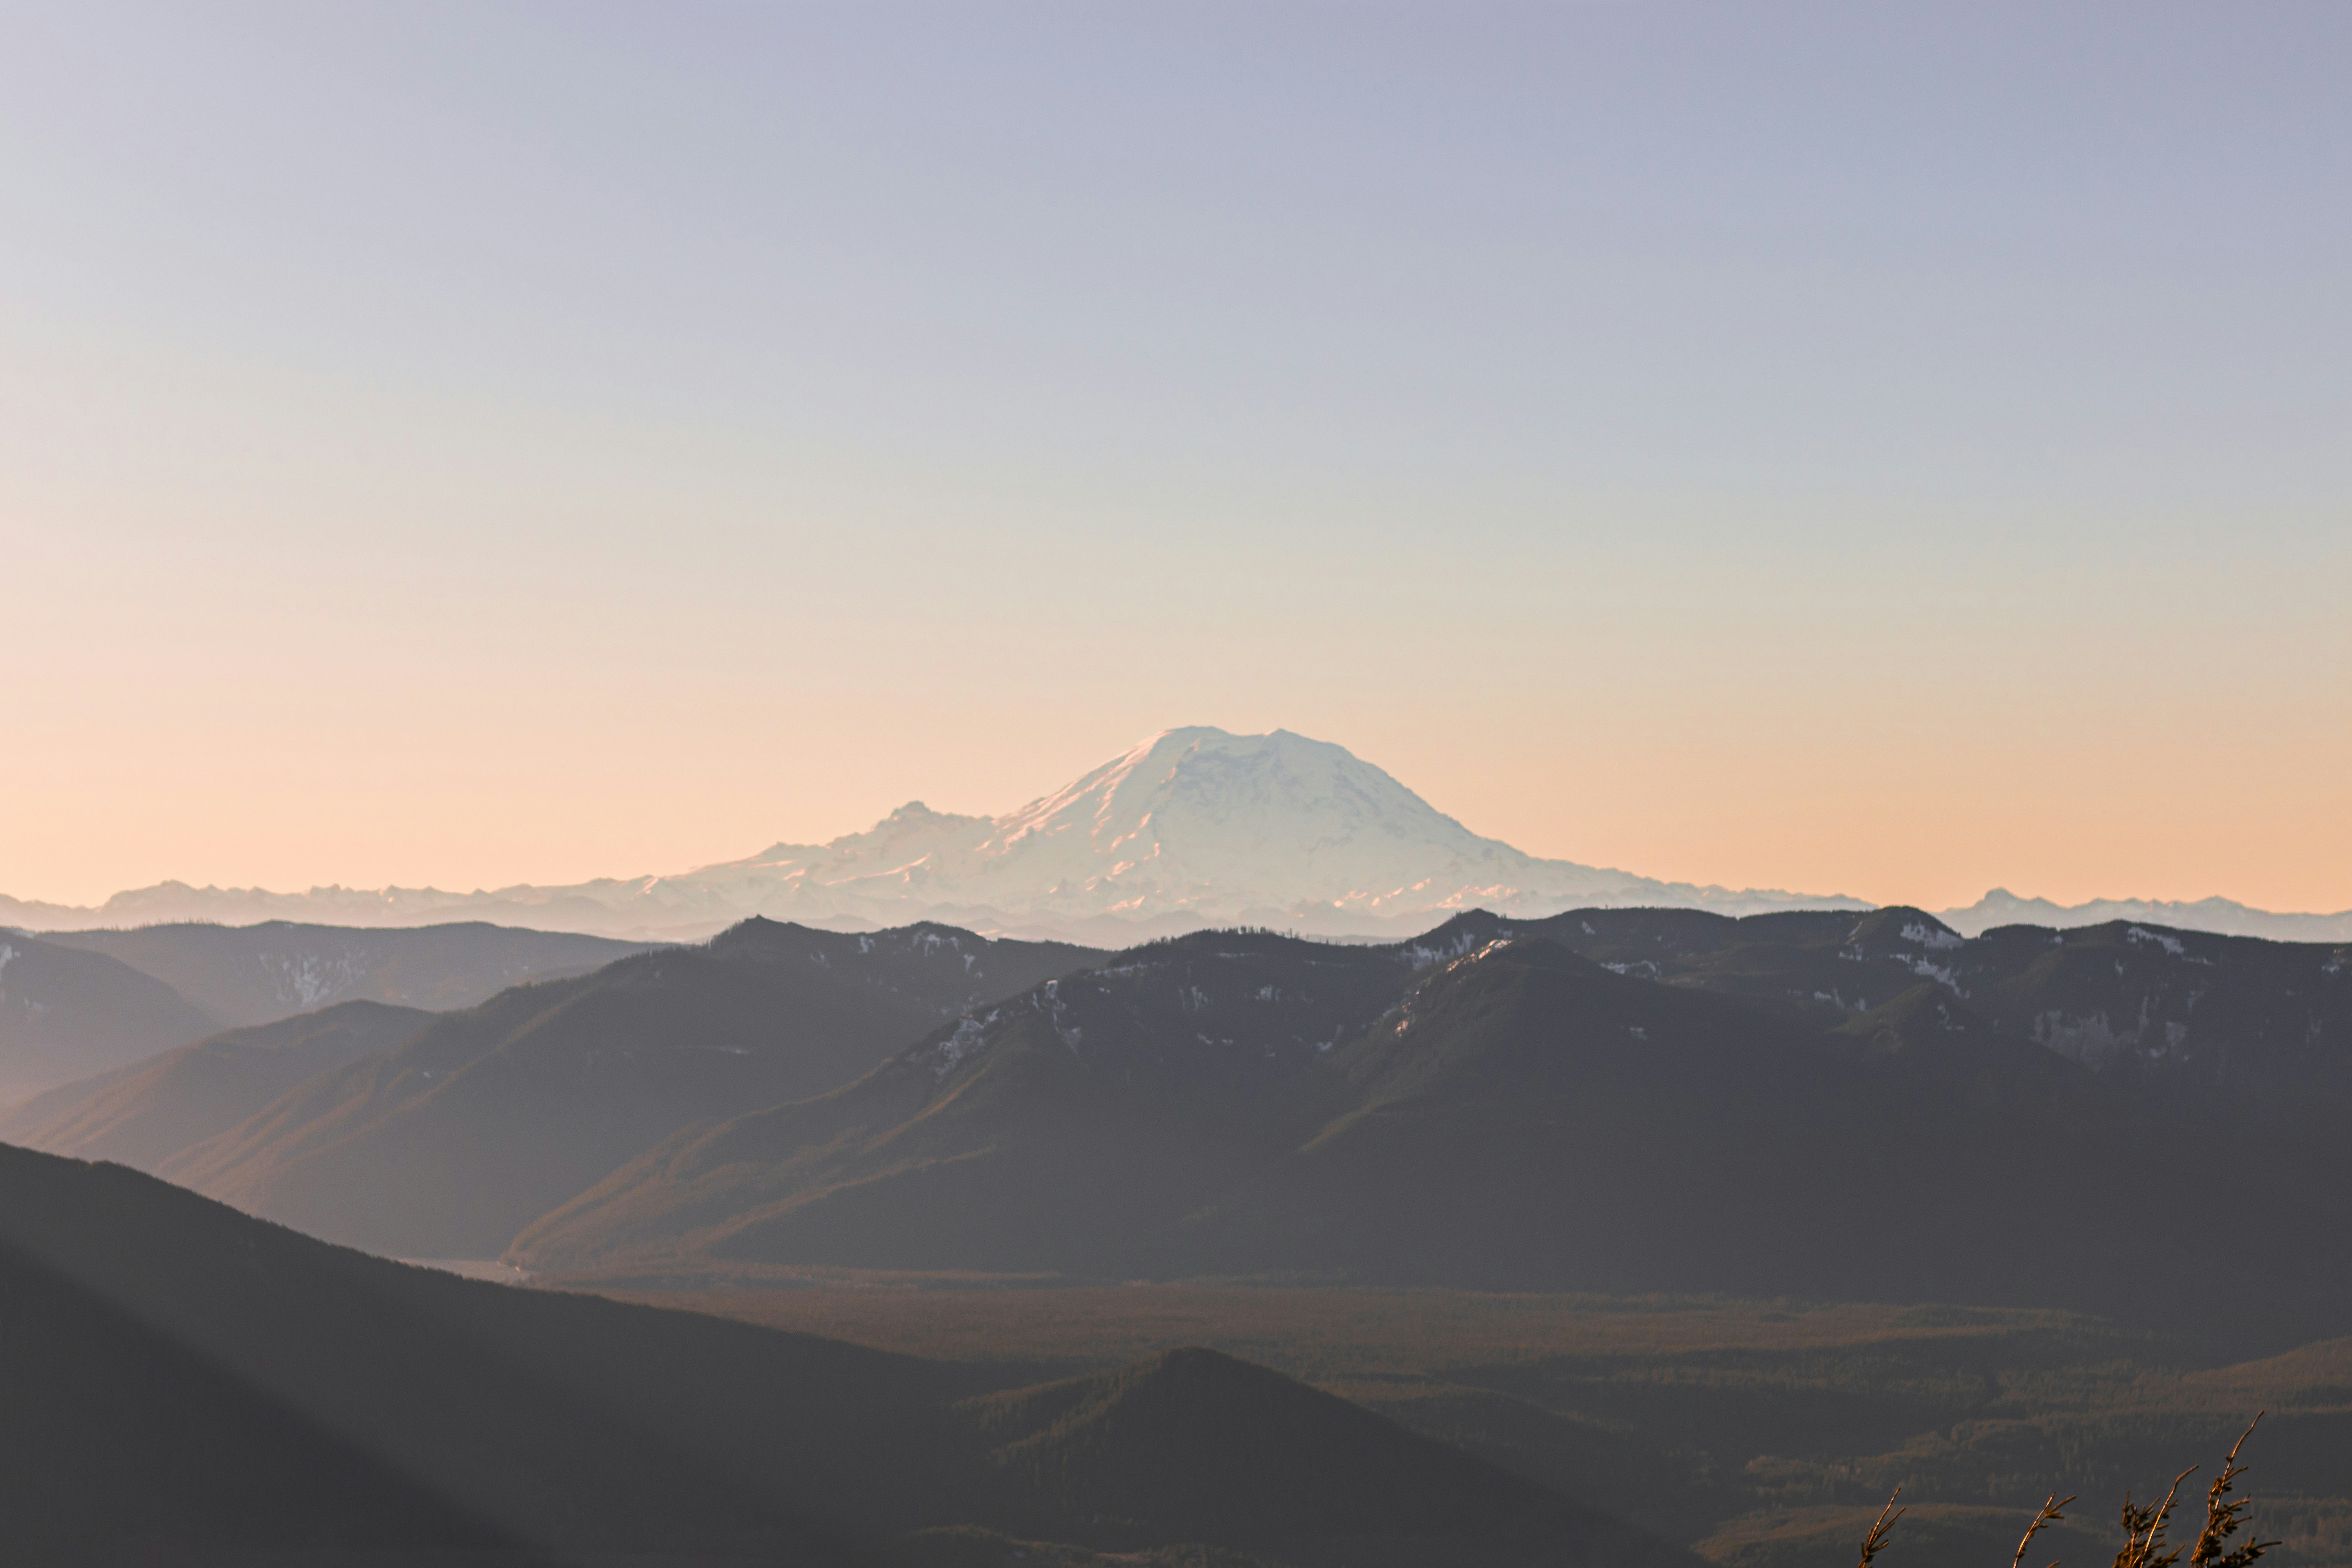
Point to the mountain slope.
(65, 1014)
(2170, 1019)
(1195, 828)
(1495, 1112)
(188, 1385)
(1067, 1129)
(1525, 1119)
(489, 1118)
(185, 1381)
(257, 973)
(146, 1113)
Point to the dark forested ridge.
(145, 1113)
(1806, 1104)
(77, 1007)
(187, 1384)
(2167, 1018)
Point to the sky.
(1892, 450)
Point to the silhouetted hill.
(257, 973)
(183, 1380)
(186, 1385)
(65, 1014)
(148, 1112)
(1499, 1114)
(489, 1118)
(1192, 1443)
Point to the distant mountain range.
(1193, 828)
(2221, 916)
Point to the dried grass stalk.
(2144, 1527)
(1877, 1539)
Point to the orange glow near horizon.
(242, 766)
(474, 447)
(264, 707)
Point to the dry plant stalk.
(2144, 1530)
(1877, 1539)
(2144, 1527)
(2048, 1516)
(2224, 1516)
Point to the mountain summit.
(1191, 827)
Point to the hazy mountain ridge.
(65, 1014)
(485, 1119)
(245, 974)
(2223, 916)
(143, 1114)
(77, 1007)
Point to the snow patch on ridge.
(969, 1037)
(1924, 936)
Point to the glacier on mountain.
(1193, 827)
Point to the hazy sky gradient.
(1892, 450)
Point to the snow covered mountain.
(1193, 827)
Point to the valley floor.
(1757, 1433)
